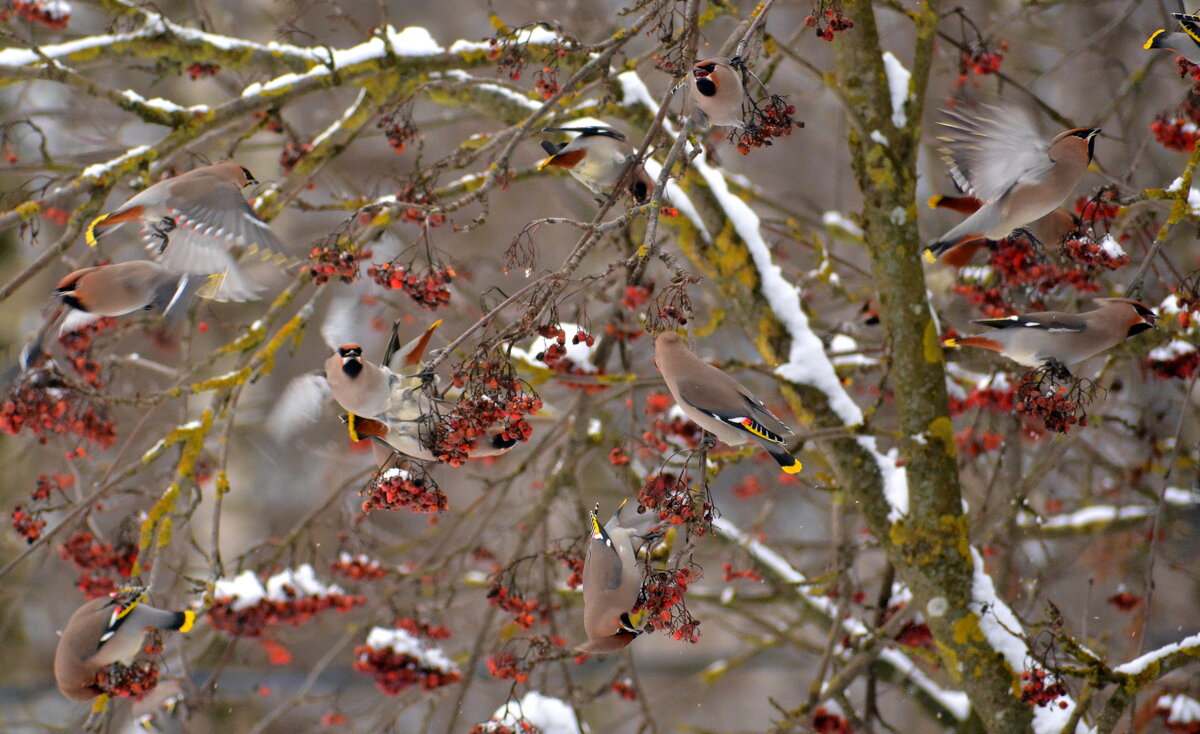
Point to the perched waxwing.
(1062, 339)
(201, 214)
(362, 388)
(715, 88)
(106, 631)
(597, 157)
(1049, 230)
(120, 288)
(997, 156)
(718, 403)
(1186, 44)
(612, 582)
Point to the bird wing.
(602, 543)
(734, 405)
(1052, 321)
(587, 131)
(992, 149)
(122, 604)
(1190, 23)
(302, 402)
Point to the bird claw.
(165, 226)
(710, 440)
(1037, 244)
(1058, 370)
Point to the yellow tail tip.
(100, 704)
(189, 621)
(929, 256)
(933, 201)
(350, 427)
(90, 234)
(545, 163)
(950, 343)
(434, 325)
(1150, 41)
(794, 468)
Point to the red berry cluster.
(1178, 713)
(127, 681)
(1178, 360)
(293, 152)
(828, 22)
(508, 55)
(1017, 271)
(29, 525)
(358, 568)
(1125, 601)
(1187, 68)
(1085, 250)
(42, 403)
(770, 117)
(417, 628)
(669, 496)
(555, 356)
(827, 722)
(506, 666)
(418, 216)
(1059, 405)
(397, 489)
(325, 263)
(47, 484)
(254, 621)
(492, 397)
(77, 344)
(973, 443)
(672, 307)
(50, 13)
(398, 126)
(98, 562)
(636, 295)
(1039, 689)
(981, 60)
(575, 565)
(429, 288)
(664, 604)
(732, 573)
(525, 612)
(546, 82)
(394, 672)
(523, 726)
(272, 122)
(993, 399)
(200, 70)
(750, 486)
(1179, 128)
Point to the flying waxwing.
(1049, 230)
(105, 631)
(596, 157)
(120, 288)
(1047, 337)
(715, 88)
(612, 582)
(201, 214)
(718, 403)
(997, 156)
(362, 388)
(399, 431)
(1186, 44)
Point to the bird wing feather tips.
(119, 614)
(600, 535)
(301, 403)
(1189, 23)
(989, 152)
(1049, 321)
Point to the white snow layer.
(1180, 709)
(1139, 664)
(246, 590)
(1176, 348)
(837, 220)
(550, 715)
(403, 643)
(1104, 514)
(1111, 247)
(580, 354)
(898, 78)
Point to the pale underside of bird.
(122, 288)
(1062, 339)
(105, 631)
(612, 585)
(192, 222)
(720, 404)
(1185, 42)
(1049, 230)
(996, 155)
(598, 157)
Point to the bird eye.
(249, 176)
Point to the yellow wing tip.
(350, 417)
(189, 621)
(794, 468)
(933, 201)
(546, 162)
(1150, 41)
(596, 531)
(929, 256)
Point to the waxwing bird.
(1049, 230)
(400, 431)
(1186, 44)
(612, 583)
(1062, 339)
(996, 155)
(715, 88)
(201, 214)
(597, 157)
(120, 288)
(718, 403)
(105, 631)
(362, 388)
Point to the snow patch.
(1139, 664)
(550, 715)
(401, 642)
(245, 589)
(837, 220)
(1176, 348)
(898, 78)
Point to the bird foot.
(1037, 244)
(165, 226)
(710, 440)
(1058, 370)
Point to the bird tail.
(131, 214)
(939, 248)
(981, 342)
(790, 464)
(961, 204)
(144, 615)
(1154, 40)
